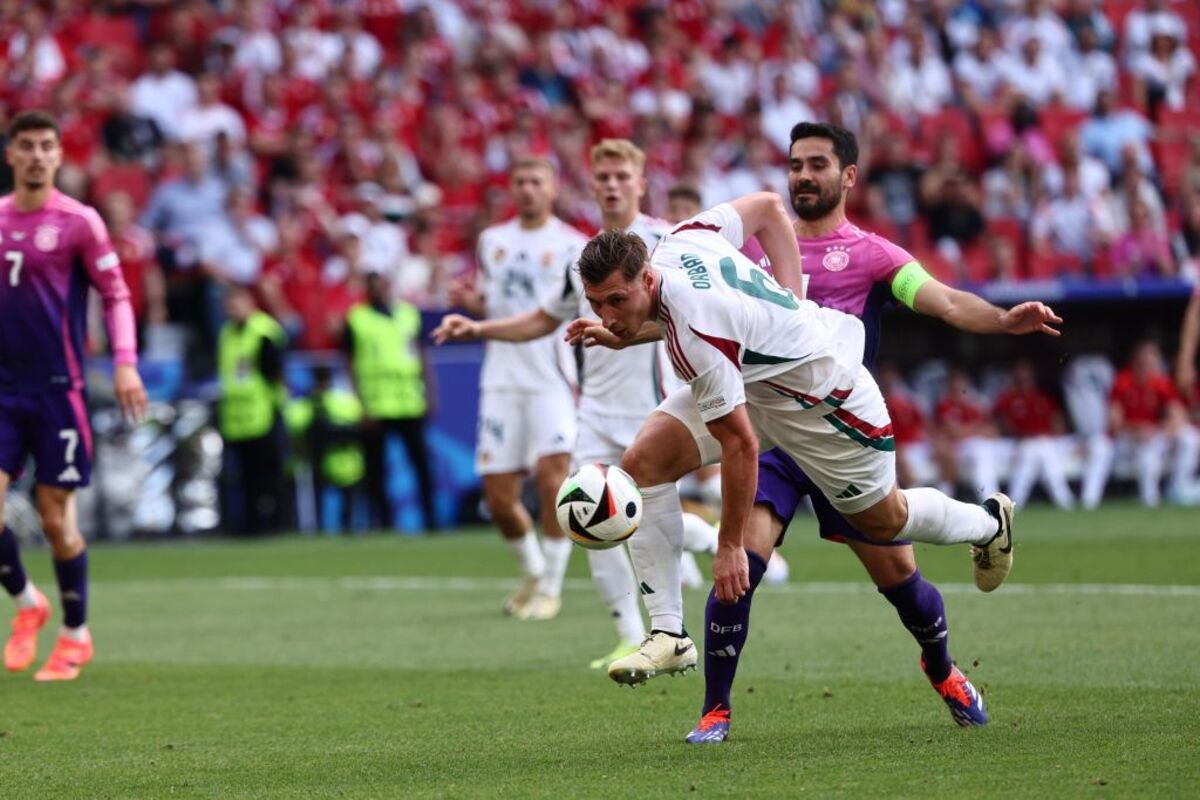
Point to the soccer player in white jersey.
(764, 366)
(619, 388)
(527, 397)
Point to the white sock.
(80, 634)
(529, 555)
(27, 597)
(558, 553)
(936, 519)
(655, 551)
(698, 535)
(613, 576)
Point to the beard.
(810, 207)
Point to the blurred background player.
(52, 249)
(1150, 420)
(387, 363)
(250, 351)
(967, 447)
(619, 388)
(914, 455)
(527, 408)
(1034, 420)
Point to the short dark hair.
(33, 120)
(845, 143)
(684, 191)
(609, 251)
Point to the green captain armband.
(909, 278)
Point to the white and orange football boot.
(21, 648)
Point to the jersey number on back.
(760, 286)
(16, 260)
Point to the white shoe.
(540, 607)
(521, 596)
(778, 570)
(993, 561)
(660, 654)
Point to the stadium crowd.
(300, 145)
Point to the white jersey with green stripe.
(518, 267)
(624, 384)
(736, 336)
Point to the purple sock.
(919, 604)
(725, 629)
(72, 587)
(12, 573)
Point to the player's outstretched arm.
(739, 480)
(520, 328)
(969, 312)
(764, 216)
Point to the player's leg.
(412, 432)
(33, 610)
(1026, 466)
(374, 440)
(919, 604)
(502, 496)
(60, 524)
(1097, 463)
(671, 443)
(781, 485)
(1054, 477)
(1183, 464)
(1150, 460)
(603, 441)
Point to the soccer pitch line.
(386, 583)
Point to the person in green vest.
(327, 426)
(250, 351)
(382, 340)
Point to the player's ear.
(849, 177)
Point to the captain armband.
(909, 278)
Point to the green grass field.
(381, 666)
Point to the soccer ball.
(599, 506)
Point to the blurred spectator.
(34, 54)
(349, 42)
(1141, 24)
(163, 93)
(424, 273)
(256, 46)
(543, 75)
(181, 210)
(1010, 189)
(327, 424)
(1186, 243)
(1091, 69)
(951, 202)
(211, 116)
(383, 343)
(683, 202)
(660, 99)
(1110, 130)
(232, 164)
(1143, 250)
(135, 247)
(1087, 382)
(727, 80)
(914, 454)
(1165, 73)
(1150, 420)
(893, 185)
(234, 245)
(1035, 74)
(1033, 418)
(1069, 224)
(1088, 15)
(966, 446)
(782, 108)
(250, 369)
(1042, 23)
(129, 136)
(1090, 173)
(1134, 187)
(980, 73)
(918, 83)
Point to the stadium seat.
(129, 178)
(1056, 121)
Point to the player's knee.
(646, 467)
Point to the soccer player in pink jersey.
(859, 273)
(52, 249)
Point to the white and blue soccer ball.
(599, 506)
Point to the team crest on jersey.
(836, 259)
(45, 238)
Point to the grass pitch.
(380, 666)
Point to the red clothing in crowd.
(321, 306)
(908, 423)
(1026, 413)
(959, 411)
(135, 247)
(1143, 402)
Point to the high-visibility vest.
(343, 463)
(386, 363)
(249, 402)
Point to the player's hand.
(1031, 317)
(455, 328)
(131, 394)
(731, 574)
(591, 333)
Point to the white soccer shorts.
(518, 428)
